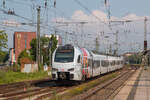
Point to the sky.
(91, 11)
(119, 8)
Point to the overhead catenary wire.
(89, 11)
(49, 7)
(14, 14)
(51, 28)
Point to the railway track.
(20, 90)
(106, 90)
(37, 90)
(35, 94)
(30, 90)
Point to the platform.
(137, 87)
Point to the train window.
(117, 62)
(121, 62)
(104, 63)
(64, 55)
(79, 59)
(111, 63)
(107, 63)
(96, 63)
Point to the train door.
(90, 67)
(83, 68)
(79, 65)
(113, 64)
(109, 66)
(104, 66)
(96, 67)
(100, 67)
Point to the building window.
(25, 44)
(25, 38)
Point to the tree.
(24, 54)
(135, 59)
(33, 49)
(44, 48)
(4, 56)
(3, 41)
(54, 43)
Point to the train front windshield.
(64, 56)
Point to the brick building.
(22, 41)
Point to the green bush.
(10, 76)
(24, 54)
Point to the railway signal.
(145, 33)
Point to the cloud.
(101, 15)
(94, 16)
(132, 17)
(80, 15)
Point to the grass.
(11, 77)
(83, 87)
(129, 65)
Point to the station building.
(22, 41)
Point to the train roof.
(99, 53)
(108, 57)
(86, 52)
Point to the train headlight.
(71, 69)
(54, 69)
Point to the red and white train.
(74, 63)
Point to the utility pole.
(145, 62)
(83, 37)
(110, 49)
(145, 33)
(107, 6)
(66, 34)
(116, 51)
(97, 44)
(38, 36)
